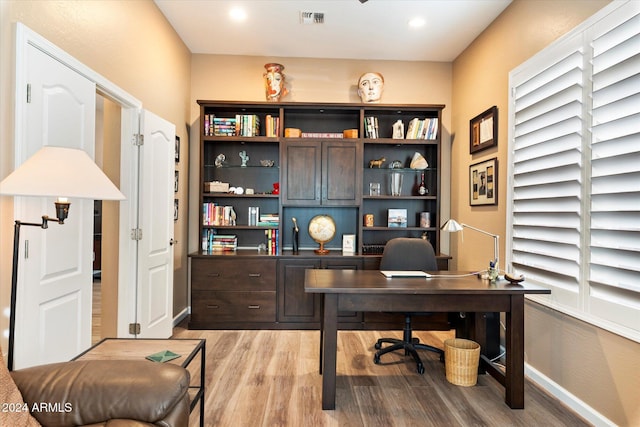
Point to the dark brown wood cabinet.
(319, 172)
(294, 304)
(232, 292)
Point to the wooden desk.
(369, 290)
(140, 348)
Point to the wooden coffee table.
(139, 348)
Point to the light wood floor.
(270, 378)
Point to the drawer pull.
(213, 275)
(254, 275)
(213, 306)
(253, 307)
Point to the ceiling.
(352, 29)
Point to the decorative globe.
(322, 228)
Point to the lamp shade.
(60, 172)
(452, 226)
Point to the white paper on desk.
(404, 273)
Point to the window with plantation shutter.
(574, 171)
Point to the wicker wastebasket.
(461, 361)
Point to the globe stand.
(321, 250)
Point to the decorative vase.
(274, 82)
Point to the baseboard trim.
(573, 402)
(180, 317)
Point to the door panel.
(155, 251)
(53, 313)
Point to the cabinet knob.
(254, 275)
(253, 307)
(213, 275)
(213, 306)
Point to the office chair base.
(409, 346)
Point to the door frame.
(130, 124)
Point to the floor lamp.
(453, 226)
(64, 173)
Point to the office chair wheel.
(420, 368)
(376, 358)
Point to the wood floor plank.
(270, 378)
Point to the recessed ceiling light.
(237, 14)
(416, 22)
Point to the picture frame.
(177, 149)
(176, 182)
(483, 130)
(396, 218)
(175, 209)
(483, 183)
(348, 243)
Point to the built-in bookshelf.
(258, 169)
(264, 164)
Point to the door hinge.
(136, 234)
(134, 328)
(28, 93)
(138, 139)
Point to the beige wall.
(598, 367)
(313, 80)
(131, 44)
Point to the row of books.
(418, 128)
(213, 242)
(214, 214)
(271, 126)
(272, 236)
(371, 127)
(422, 129)
(240, 125)
(269, 220)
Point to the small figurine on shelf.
(296, 235)
(276, 188)
(245, 158)
(220, 160)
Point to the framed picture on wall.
(483, 130)
(177, 149)
(483, 183)
(175, 209)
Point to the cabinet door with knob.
(321, 173)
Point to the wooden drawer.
(214, 306)
(241, 274)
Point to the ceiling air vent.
(312, 17)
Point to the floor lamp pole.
(14, 284)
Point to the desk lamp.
(453, 226)
(52, 172)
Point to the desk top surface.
(440, 282)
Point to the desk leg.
(329, 349)
(321, 332)
(514, 381)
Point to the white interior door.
(155, 248)
(53, 315)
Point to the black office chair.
(405, 253)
